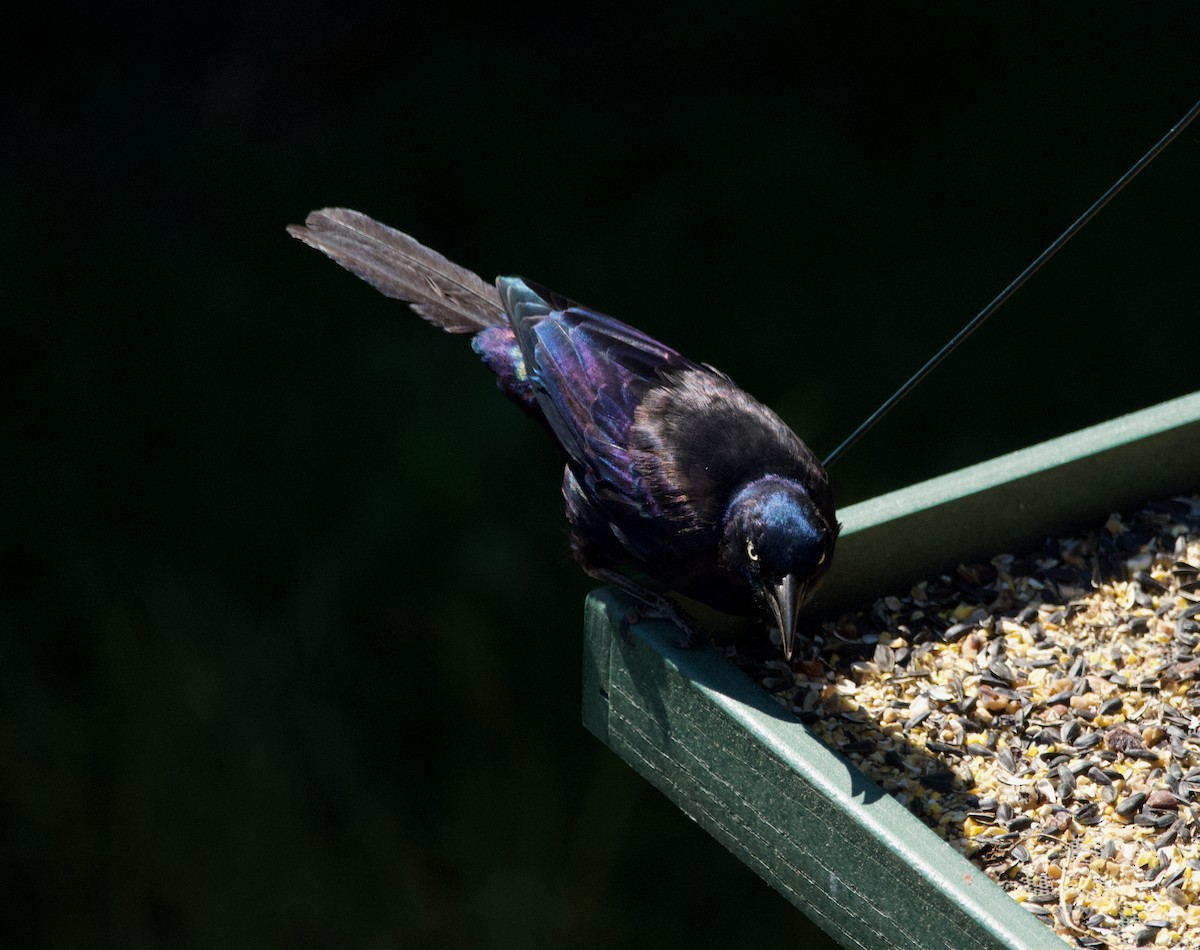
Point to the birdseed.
(1042, 714)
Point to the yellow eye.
(751, 551)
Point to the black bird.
(675, 480)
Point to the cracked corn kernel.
(1009, 737)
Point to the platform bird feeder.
(802, 816)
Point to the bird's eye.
(821, 559)
(751, 551)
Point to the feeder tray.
(829, 839)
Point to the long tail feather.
(445, 294)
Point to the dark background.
(289, 636)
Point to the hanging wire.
(1013, 287)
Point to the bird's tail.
(445, 294)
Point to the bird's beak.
(785, 599)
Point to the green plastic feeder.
(854, 860)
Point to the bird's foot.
(690, 635)
(653, 606)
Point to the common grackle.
(676, 480)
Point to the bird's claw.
(690, 634)
(652, 606)
(628, 619)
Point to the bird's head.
(778, 540)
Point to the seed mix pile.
(1042, 715)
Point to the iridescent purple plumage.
(675, 480)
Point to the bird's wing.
(590, 373)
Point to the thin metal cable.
(1013, 287)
